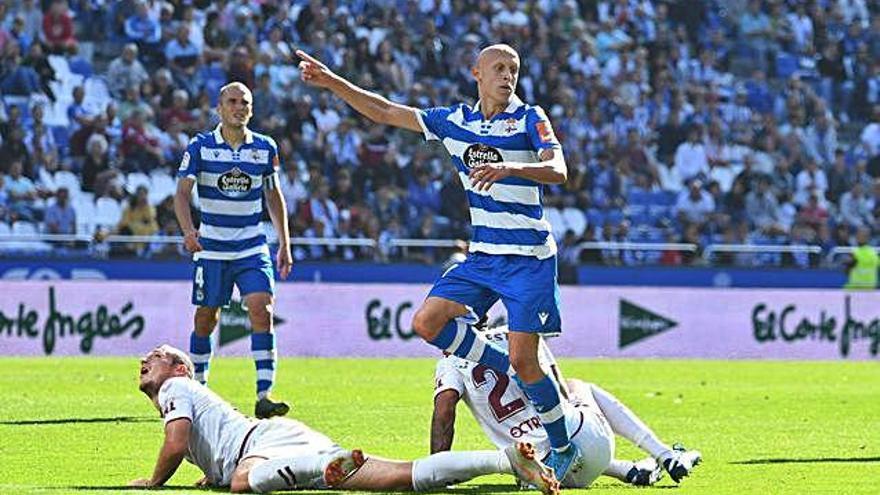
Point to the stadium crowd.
(682, 121)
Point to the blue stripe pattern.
(520, 128)
(200, 350)
(220, 159)
(231, 246)
(495, 206)
(544, 396)
(522, 237)
(263, 341)
(493, 356)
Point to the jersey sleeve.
(447, 377)
(270, 173)
(540, 130)
(189, 164)
(434, 122)
(175, 400)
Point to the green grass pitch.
(764, 427)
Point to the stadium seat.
(81, 66)
(575, 220)
(5, 229)
(108, 212)
(85, 213)
(135, 180)
(65, 178)
(46, 179)
(27, 228)
(161, 186)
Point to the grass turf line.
(79, 425)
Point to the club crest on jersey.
(478, 154)
(510, 126)
(234, 183)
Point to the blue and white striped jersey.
(230, 185)
(508, 218)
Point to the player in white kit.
(593, 416)
(261, 456)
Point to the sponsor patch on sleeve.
(545, 132)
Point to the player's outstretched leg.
(645, 472)
(440, 322)
(260, 475)
(678, 462)
(200, 341)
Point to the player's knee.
(426, 325)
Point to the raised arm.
(371, 105)
(443, 421)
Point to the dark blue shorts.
(213, 279)
(526, 286)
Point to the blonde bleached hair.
(177, 357)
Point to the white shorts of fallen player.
(592, 434)
(282, 437)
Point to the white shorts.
(592, 434)
(282, 437)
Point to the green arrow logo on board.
(235, 324)
(637, 323)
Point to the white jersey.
(218, 430)
(499, 405)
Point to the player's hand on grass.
(284, 262)
(313, 71)
(191, 241)
(483, 176)
(142, 483)
(203, 482)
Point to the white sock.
(286, 473)
(619, 469)
(625, 423)
(447, 468)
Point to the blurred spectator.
(126, 71)
(140, 147)
(691, 160)
(855, 208)
(60, 217)
(76, 111)
(695, 206)
(22, 194)
(58, 30)
(762, 209)
(138, 218)
(809, 179)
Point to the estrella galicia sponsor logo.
(98, 323)
(637, 323)
(235, 324)
(770, 325)
(234, 183)
(381, 320)
(478, 154)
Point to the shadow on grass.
(816, 460)
(97, 488)
(64, 421)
